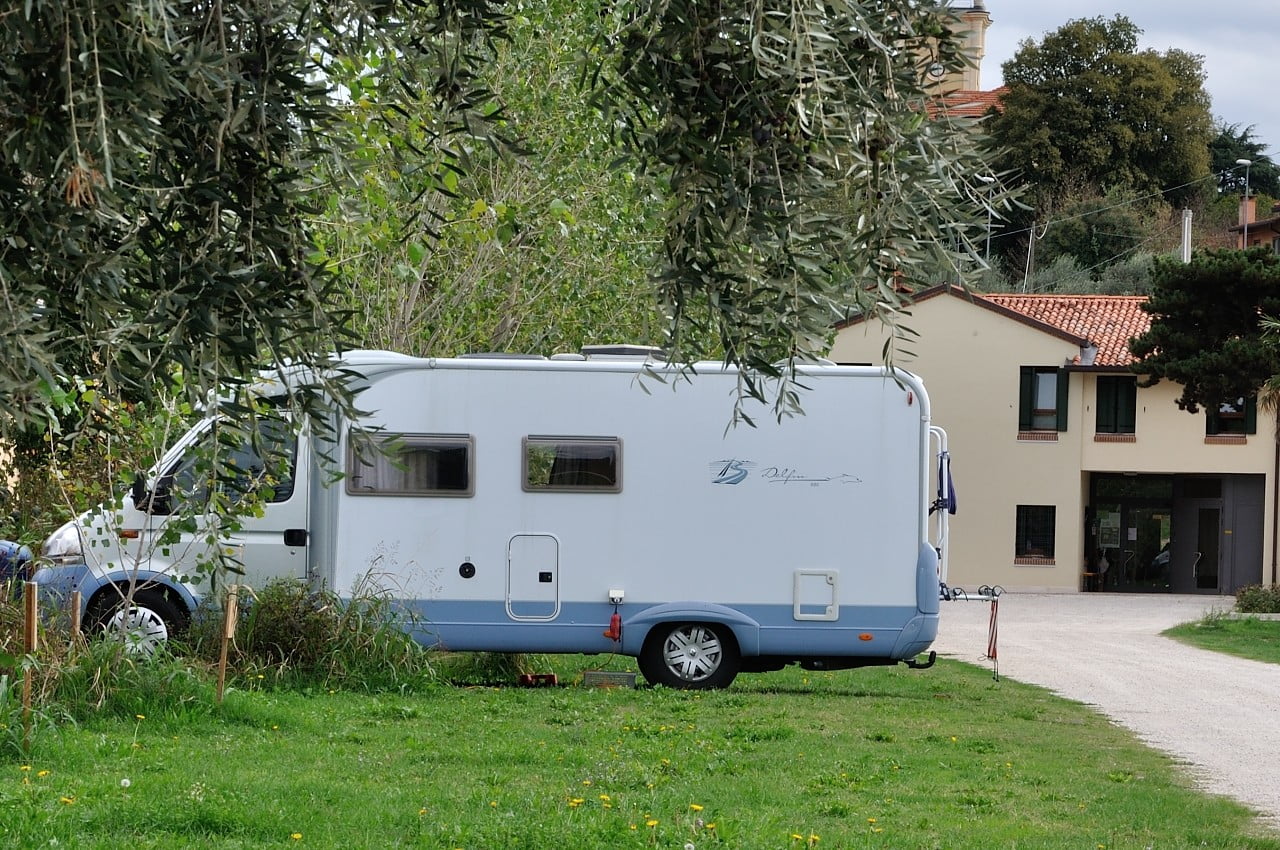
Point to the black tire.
(145, 625)
(691, 656)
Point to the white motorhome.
(520, 504)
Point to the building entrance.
(1174, 533)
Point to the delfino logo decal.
(735, 471)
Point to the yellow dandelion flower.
(141, 716)
(711, 826)
(813, 839)
(651, 823)
(695, 807)
(604, 797)
(24, 767)
(43, 773)
(953, 739)
(795, 836)
(297, 836)
(633, 826)
(871, 820)
(421, 812)
(66, 801)
(586, 782)
(877, 829)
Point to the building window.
(590, 464)
(412, 465)
(1275, 245)
(1232, 417)
(1117, 404)
(1042, 399)
(1035, 533)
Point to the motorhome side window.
(591, 464)
(235, 464)
(412, 465)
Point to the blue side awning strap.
(946, 486)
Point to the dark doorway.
(1175, 533)
(1129, 531)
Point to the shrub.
(291, 635)
(1258, 599)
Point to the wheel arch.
(745, 631)
(116, 586)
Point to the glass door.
(1208, 535)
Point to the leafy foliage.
(158, 182)
(1207, 329)
(1233, 143)
(1096, 233)
(1258, 599)
(1086, 108)
(290, 634)
(446, 245)
(801, 176)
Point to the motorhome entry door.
(533, 577)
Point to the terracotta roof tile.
(968, 104)
(1108, 321)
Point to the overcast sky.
(1239, 40)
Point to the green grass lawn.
(1248, 637)
(883, 758)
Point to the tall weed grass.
(291, 635)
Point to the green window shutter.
(1106, 417)
(1251, 415)
(1064, 388)
(1211, 420)
(1026, 397)
(1126, 405)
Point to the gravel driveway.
(1218, 714)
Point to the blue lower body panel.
(888, 632)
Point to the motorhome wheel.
(689, 655)
(146, 624)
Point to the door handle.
(295, 537)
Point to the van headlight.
(64, 545)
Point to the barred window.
(1035, 531)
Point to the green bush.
(290, 635)
(1258, 599)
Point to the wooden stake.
(228, 632)
(30, 596)
(75, 616)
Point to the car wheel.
(690, 656)
(145, 625)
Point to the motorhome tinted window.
(236, 463)
(412, 465)
(573, 463)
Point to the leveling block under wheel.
(537, 680)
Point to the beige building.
(1069, 476)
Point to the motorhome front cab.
(520, 504)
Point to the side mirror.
(138, 491)
(154, 502)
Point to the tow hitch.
(917, 664)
